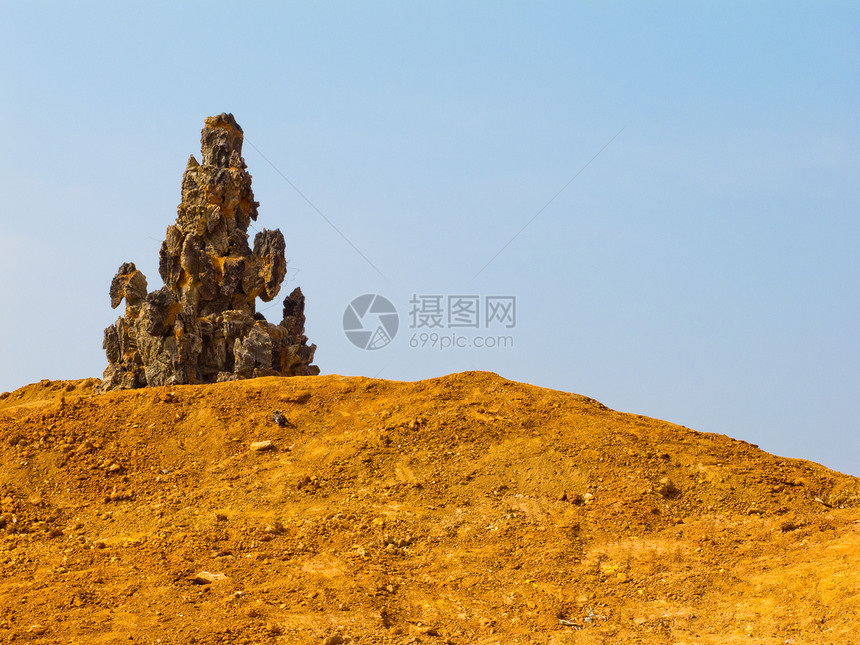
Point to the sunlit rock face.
(202, 325)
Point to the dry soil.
(463, 509)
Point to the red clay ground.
(463, 509)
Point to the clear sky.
(702, 269)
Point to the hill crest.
(465, 508)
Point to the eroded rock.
(202, 325)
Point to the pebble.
(334, 639)
(206, 578)
(668, 489)
(260, 446)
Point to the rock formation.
(202, 326)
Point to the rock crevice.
(202, 325)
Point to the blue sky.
(703, 268)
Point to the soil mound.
(462, 509)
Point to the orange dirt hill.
(462, 509)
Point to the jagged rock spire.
(202, 326)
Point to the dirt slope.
(463, 509)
